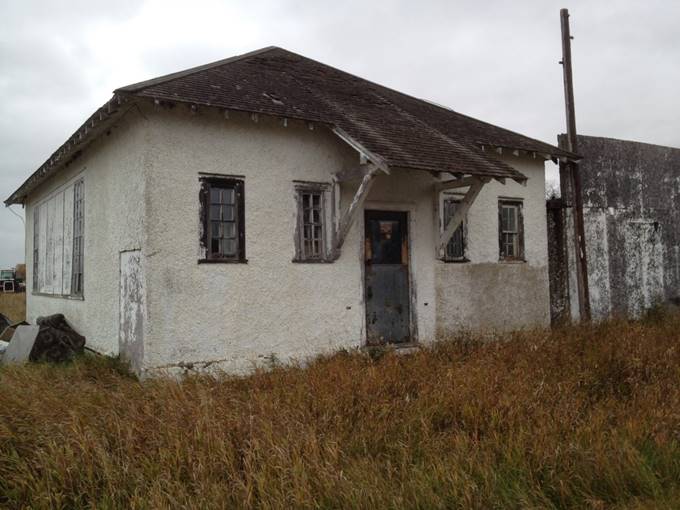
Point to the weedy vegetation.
(582, 416)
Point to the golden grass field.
(13, 306)
(580, 417)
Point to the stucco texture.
(142, 193)
(113, 176)
(234, 316)
(240, 315)
(485, 293)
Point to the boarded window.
(59, 242)
(78, 238)
(511, 230)
(311, 222)
(223, 221)
(455, 249)
(36, 245)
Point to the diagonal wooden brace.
(455, 183)
(356, 204)
(461, 211)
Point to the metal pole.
(575, 176)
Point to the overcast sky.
(494, 60)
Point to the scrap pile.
(52, 340)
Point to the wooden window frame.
(76, 275)
(463, 229)
(237, 184)
(519, 204)
(302, 188)
(78, 252)
(36, 247)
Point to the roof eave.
(94, 126)
(553, 153)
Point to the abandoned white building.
(270, 205)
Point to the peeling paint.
(113, 172)
(631, 196)
(132, 309)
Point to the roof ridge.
(135, 87)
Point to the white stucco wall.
(142, 193)
(112, 169)
(238, 314)
(484, 293)
(233, 316)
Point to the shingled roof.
(399, 130)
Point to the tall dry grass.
(580, 417)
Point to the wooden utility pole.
(573, 173)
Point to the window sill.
(312, 261)
(456, 261)
(512, 261)
(60, 296)
(222, 261)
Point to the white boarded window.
(36, 247)
(58, 242)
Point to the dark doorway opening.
(386, 271)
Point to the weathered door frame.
(410, 209)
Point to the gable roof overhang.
(387, 127)
(96, 124)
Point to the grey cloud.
(496, 61)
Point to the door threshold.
(404, 347)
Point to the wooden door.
(387, 278)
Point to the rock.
(21, 345)
(56, 341)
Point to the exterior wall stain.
(631, 196)
(132, 309)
